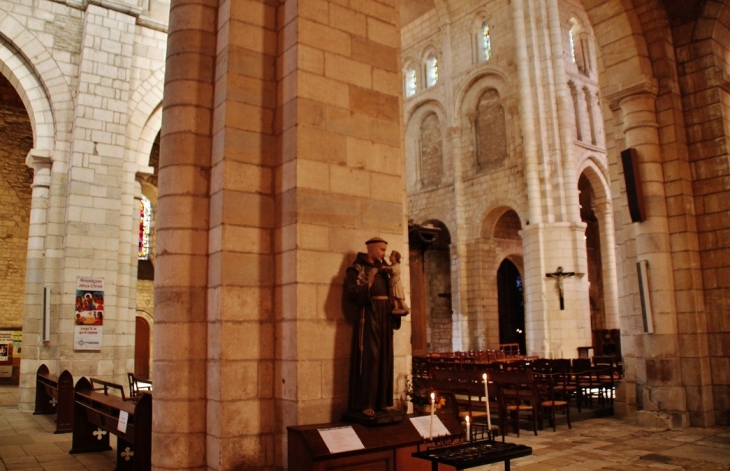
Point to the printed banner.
(89, 316)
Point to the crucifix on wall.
(560, 274)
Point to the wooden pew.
(55, 395)
(96, 417)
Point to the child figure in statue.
(396, 287)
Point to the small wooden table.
(472, 454)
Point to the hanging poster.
(6, 342)
(89, 315)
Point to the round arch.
(414, 118)
(145, 117)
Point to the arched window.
(579, 49)
(145, 225)
(432, 71)
(485, 43)
(411, 81)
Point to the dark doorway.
(511, 305)
(142, 348)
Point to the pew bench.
(99, 414)
(55, 395)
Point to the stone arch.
(478, 80)
(145, 117)
(414, 117)
(37, 79)
(721, 36)
(492, 252)
(467, 113)
(491, 211)
(492, 218)
(614, 29)
(596, 169)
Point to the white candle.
(486, 397)
(433, 409)
(468, 429)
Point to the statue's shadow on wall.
(344, 315)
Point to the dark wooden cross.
(560, 274)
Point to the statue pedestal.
(380, 418)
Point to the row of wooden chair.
(514, 395)
(531, 389)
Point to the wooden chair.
(518, 397)
(552, 399)
(134, 387)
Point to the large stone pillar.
(338, 181)
(280, 155)
(654, 380)
(181, 347)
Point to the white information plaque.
(340, 439)
(423, 426)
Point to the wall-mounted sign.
(89, 313)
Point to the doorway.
(511, 305)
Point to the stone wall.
(16, 139)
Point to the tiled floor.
(614, 444)
(27, 442)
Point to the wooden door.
(142, 348)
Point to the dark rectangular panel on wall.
(418, 303)
(632, 177)
(642, 267)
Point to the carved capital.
(40, 161)
(616, 96)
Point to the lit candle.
(433, 409)
(468, 429)
(486, 396)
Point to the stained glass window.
(411, 83)
(486, 43)
(432, 71)
(145, 223)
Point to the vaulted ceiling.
(679, 11)
(412, 9)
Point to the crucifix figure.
(560, 274)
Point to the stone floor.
(27, 442)
(615, 444)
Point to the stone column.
(569, 184)
(661, 388)
(460, 288)
(604, 213)
(181, 345)
(33, 350)
(527, 114)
